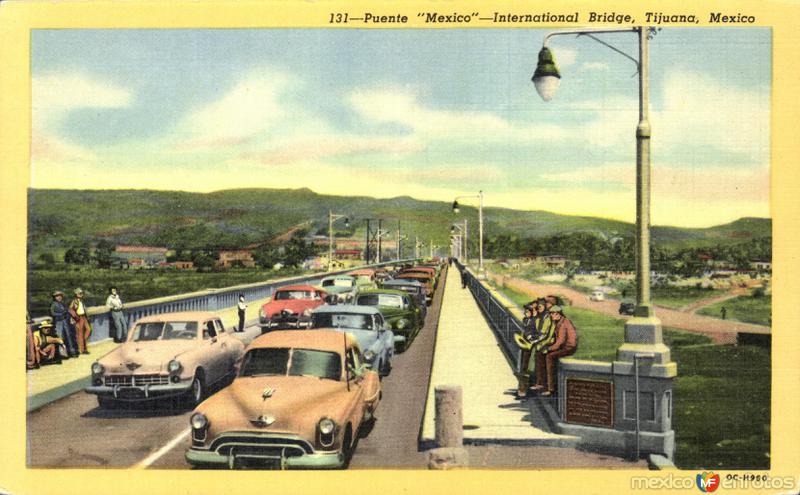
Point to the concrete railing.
(504, 317)
(207, 300)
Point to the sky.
(431, 114)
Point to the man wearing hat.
(566, 344)
(547, 335)
(60, 313)
(80, 320)
(116, 316)
(47, 344)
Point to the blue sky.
(426, 113)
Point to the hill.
(234, 218)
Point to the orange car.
(166, 355)
(298, 402)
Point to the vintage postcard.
(410, 246)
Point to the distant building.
(764, 266)
(348, 254)
(182, 265)
(140, 256)
(236, 257)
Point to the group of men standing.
(68, 334)
(548, 335)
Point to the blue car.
(367, 325)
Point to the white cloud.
(251, 107)
(53, 97)
(594, 66)
(319, 147)
(564, 57)
(402, 106)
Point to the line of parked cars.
(302, 392)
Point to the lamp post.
(332, 218)
(644, 328)
(380, 235)
(480, 226)
(463, 238)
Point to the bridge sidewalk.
(52, 382)
(467, 354)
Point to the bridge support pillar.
(449, 430)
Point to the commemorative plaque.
(590, 402)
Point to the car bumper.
(284, 322)
(139, 392)
(204, 458)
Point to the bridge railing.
(503, 315)
(207, 300)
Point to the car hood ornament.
(132, 366)
(263, 421)
(267, 393)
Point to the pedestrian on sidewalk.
(31, 352)
(463, 273)
(242, 309)
(116, 317)
(80, 320)
(724, 312)
(566, 344)
(529, 336)
(60, 314)
(47, 343)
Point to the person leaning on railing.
(566, 344)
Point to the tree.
(104, 254)
(77, 255)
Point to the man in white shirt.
(116, 317)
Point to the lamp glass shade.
(546, 86)
(455, 206)
(546, 78)
(347, 223)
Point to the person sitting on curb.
(566, 344)
(47, 344)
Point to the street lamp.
(332, 218)
(464, 239)
(380, 235)
(480, 226)
(645, 328)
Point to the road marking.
(147, 461)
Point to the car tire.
(107, 403)
(197, 391)
(347, 446)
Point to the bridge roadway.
(74, 432)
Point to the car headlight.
(97, 368)
(369, 356)
(401, 324)
(174, 366)
(326, 426)
(198, 421)
(262, 314)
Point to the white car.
(598, 295)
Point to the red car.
(291, 306)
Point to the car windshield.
(283, 295)
(338, 282)
(388, 300)
(173, 330)
(345, 320)
(297, 362)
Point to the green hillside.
(234, 218)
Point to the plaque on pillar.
(589, 402)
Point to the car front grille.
(260, 444)
(136, 380)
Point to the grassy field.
(722, 393)
(747, 309)
(677, 297)
(134, 285)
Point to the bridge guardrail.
(503, 315)
(207, 300)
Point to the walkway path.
(467, 354)
(721, 331)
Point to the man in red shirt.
(565, 345)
